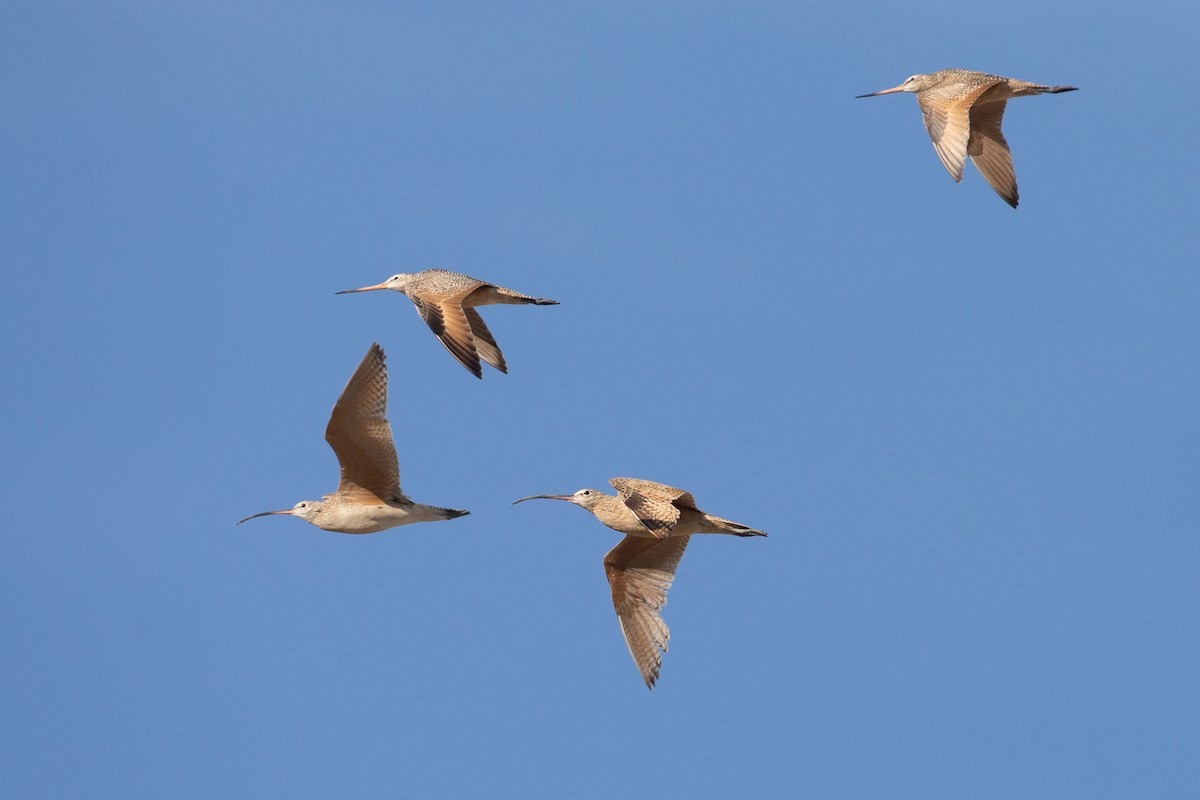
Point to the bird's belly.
(369, 519)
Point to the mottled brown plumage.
(446, 301)
(368, 498)
(963, 111)
(657, 520)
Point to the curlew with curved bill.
(963, 111)
(368, 498)
(657, 521)
(447, 301)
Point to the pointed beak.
(287, 511)
(567, 497)
(882, 91)
(364, 289)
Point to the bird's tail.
(503, 295)
(719, 525)
(537, 301)
(1025, 88)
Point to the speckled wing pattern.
(640, 571)
(989, 150)
(948, 120)
(360, 435)
(656, 505)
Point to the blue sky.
(971, 432)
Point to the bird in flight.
(368, 498)
(657, 520)
(447, 302)
(963, 111)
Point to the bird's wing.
(448, 321)
(989, 150)
(947, 118)
(640, 572)
(360, 435)
(489, 351)
(656, 505)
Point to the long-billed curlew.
(657, 521)
(963, 110)
(368, 498)
(446, 301)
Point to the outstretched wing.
(989, 150)
(947, 119)
(485, 343)
(448, 321)
(640, 572)
(360, 435)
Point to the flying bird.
(447, 301)
(963, 111)
(657, 521)
(368, 498)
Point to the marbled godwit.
(446, 301)
(963, 110)
(657, 521)
(368, 498)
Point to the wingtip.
(474, 369)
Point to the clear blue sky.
(971, 432)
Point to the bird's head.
(585, 498)
(306, 510)
(397, 283)
(913, 83)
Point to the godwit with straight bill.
(447, 301)
(963, 110)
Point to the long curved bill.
(566, 497)
(881, 91)
(364, 289)
(287, 511)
